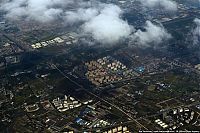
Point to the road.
(101, 99)
(16, 43)
(169, 109)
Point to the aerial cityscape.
(99, 66)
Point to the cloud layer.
(167, 5)
(102, 21)
(38, 10)
(152, 35)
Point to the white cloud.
(38, 10)
(193, 39)
(167, 5)
(196, 32)
(153, 35)
(80, 15)
(108, 27)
